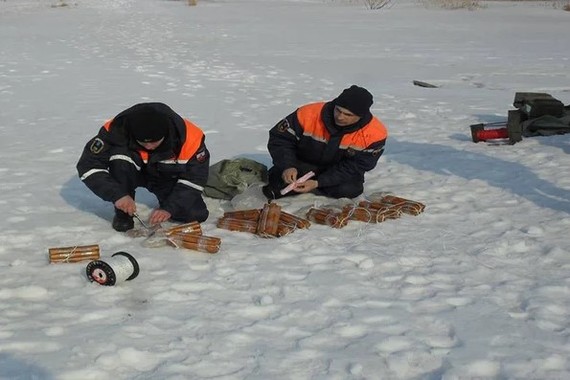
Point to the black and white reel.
(119, 268)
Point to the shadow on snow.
(510, 176)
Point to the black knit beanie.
(148, 125)
(355, 99)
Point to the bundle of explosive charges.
(189, 236)
(372, 211)
(74, 254)
(270, 221)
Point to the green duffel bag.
(228, 178)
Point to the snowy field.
(476, 287)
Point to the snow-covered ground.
(477, 286)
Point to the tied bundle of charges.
(368, 211)
(189, 236)
(74, 254)
(268, 222)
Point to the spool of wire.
(119, 268)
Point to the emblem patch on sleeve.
(97, 146)
(201, 156)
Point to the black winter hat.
(355, 99)
(148, 125)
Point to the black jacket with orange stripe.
(181, 157)
(339, 154)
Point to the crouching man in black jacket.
(339, 141)
(148, 145)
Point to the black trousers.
(350, 189)
(127, 175)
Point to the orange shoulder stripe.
(193, 141)
(309, 117)
(372, 132)
(107, 124)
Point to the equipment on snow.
(73, 254)
(119, 268)
(375, 210)
(228, 178)
(187, 235)
(424, 84)
(537, 114)
(270, 221)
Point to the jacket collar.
(327, 115)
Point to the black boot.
(122, 221)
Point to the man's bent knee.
(346, 190)
(196, 214)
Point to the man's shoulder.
(113, 132)
(190, 127)
(310, 109)
(374, 131)
(376, 123)
(313, 105)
